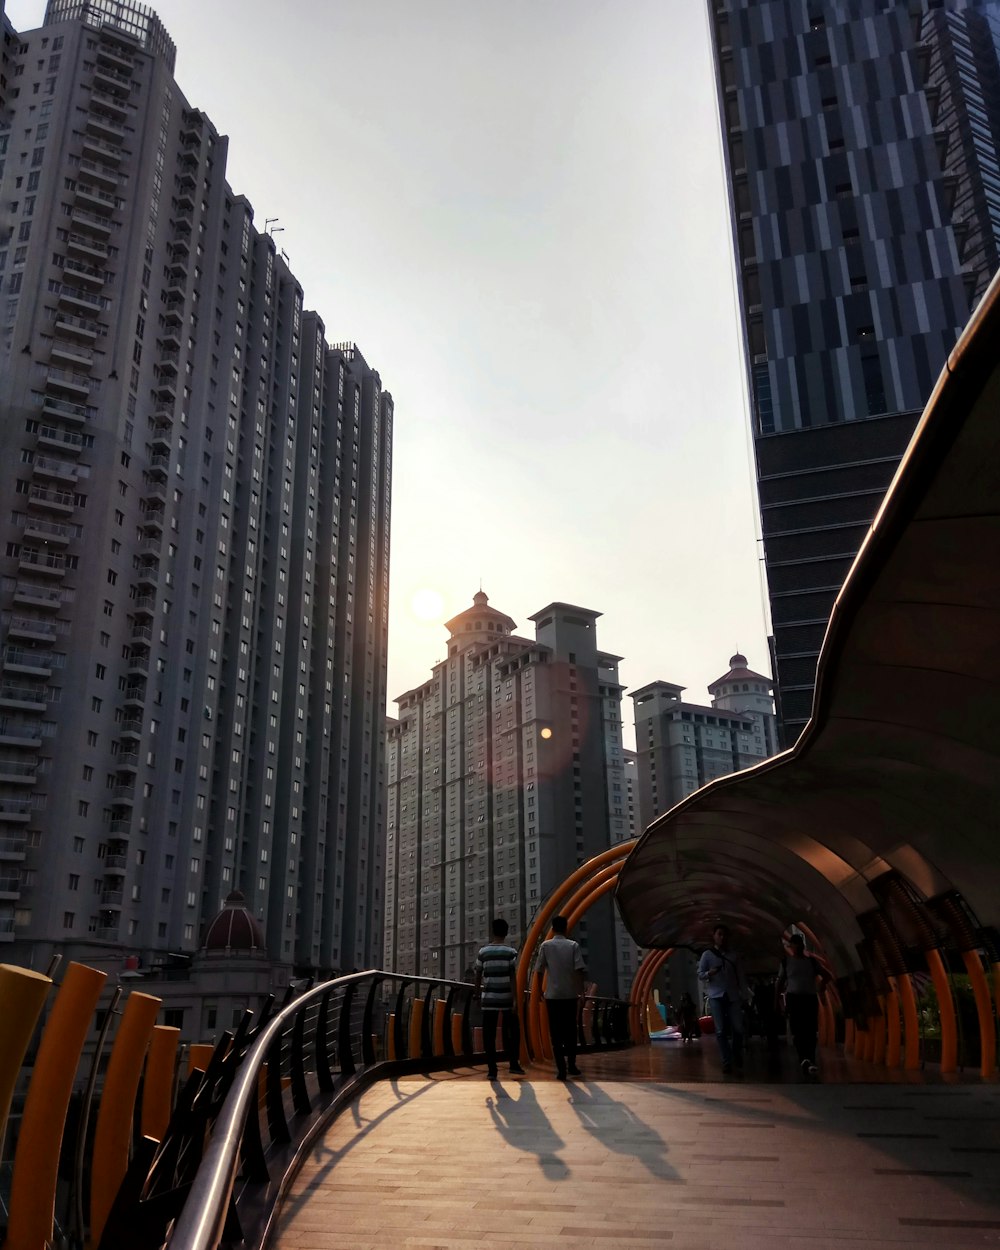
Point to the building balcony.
(168, 363)
(106, 151)
(127, 761)
(18, 772)
(72, 297)
(93, 198)
(10, 886)
(166, 388)
(59, 440)
(129, 727)
(70, 353)
(115, 863)
(155, 490)
(6, 928)
(42, 562)
(171, 336)
(25, 698)
(76, 327)
(111, 898)
(119, 828)
(138, 663)
(161, 434)
(106, 933)
(31, 629)
(31, 594)
(13, 846)
(148, 573)
(20, 733)
(48, 466)
(92, 222)
(110, 80)
(159, 464)
(180, 249)
(144, 605)
(134, 695)
(97, 171)
(46, 531)
(87, 275)
(28, 662)
(104, 128)
(59, 501)
(151, 543)
(15, 811)
(142, 634)
(117, 57)
(75, 384)
(108, 105)
(152, 518)
(185, 203)
(173, 311)
(123, 793)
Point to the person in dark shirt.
(496, 984)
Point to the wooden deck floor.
(632, 1159)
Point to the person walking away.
(561, 958)
(496, 982)
(720, 972)
(689, 1018)
(798, 981)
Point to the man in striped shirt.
(496, 972)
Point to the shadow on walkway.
(523, 1124)
(619, 1129)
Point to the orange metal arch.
(648, 969)
(946, 1010)
(984, 1010)
(539, 927)
(578, 904)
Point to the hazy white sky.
(515, 208)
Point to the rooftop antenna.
(268, 223)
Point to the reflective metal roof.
(899, 766)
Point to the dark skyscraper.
(195, 487)
(860, 141)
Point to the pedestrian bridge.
(352, 1116)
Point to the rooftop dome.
(235, 928)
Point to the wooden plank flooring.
(457, 1161)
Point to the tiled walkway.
(455, 1161)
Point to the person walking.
(688, 1013)
(561, 958)
(798, 981)
(720, 972)
(496, 985)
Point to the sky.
(517, 211)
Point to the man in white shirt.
(561, 958)
(721, 973)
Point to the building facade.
(629, 955)
(505, 772)
(682, 746)
(860, 141)
(193, 595)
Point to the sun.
(427, 605)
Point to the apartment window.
(69, 919)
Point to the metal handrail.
(203, 1216)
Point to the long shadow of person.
(618, 1128)
(523, 1124)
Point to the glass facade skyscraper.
(860, 141)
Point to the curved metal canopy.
(899, 766)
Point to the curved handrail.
(202, 1219)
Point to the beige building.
(505, 771)
(681, 746)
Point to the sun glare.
(427, 605)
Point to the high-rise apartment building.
(195, 535)
(629, 955)
(681, 746)
(505, 773)
(861, 142)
